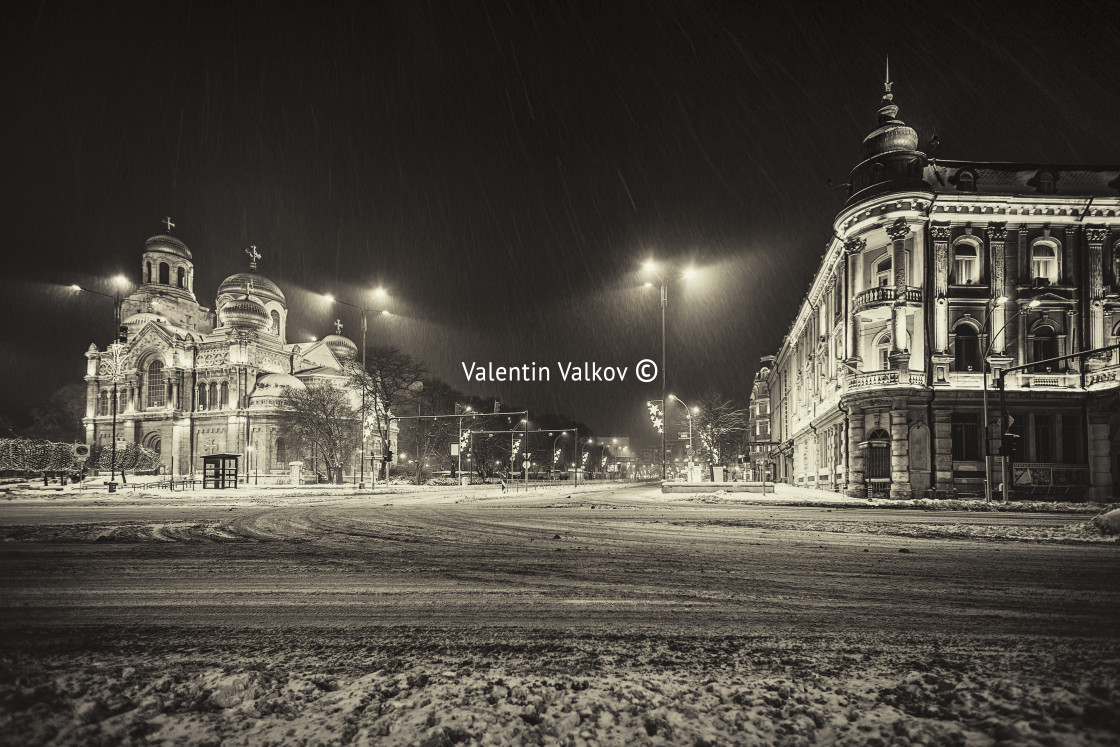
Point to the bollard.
(112, 487)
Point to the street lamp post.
(664, 280)
(690, 411)
(992, 305)
(119, 281)
(379, 293)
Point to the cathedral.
(943, 279)
(191, 382)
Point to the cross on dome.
(338, 326)
(167, 222)
(254, 255)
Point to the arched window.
(157, 388)
(215, 403)
(281, 453)
(1044, 346)
(1044, 262)
(276, 323)
(181, 276)
(224, 399)
(966, 264)
(103, 403)
(202, 396)
(883, 353)
(966, 181)
(122, 400)
(967, 348)
(883, 272)
(165, 273)
(147, 272)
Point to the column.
(1096, 237)
(852, 249)
(856, 486)
(940, 236)
(997, 235)
(943, 448)
(1100, 463)
(898, 231)
(900, 451)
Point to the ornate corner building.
(936, 270)
(191, 382)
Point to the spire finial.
(254, 255)
(887, 78)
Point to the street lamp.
(378, 293)
(992, 305)
(461, 411)
(651, 267)
(690, 411)
(119, 282)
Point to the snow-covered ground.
(597, 615)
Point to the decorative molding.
(941, 233)
(854, 246)
(898, 230)
(1096, 235)
(997, 231)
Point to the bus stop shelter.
(219, 471)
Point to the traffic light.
(1009, 445)
(122, 334)
(388, 455)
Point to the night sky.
(502, 168)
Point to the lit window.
(276, 323)
(966, 264)
(157, 390)
(1044, 263)
(883, 272)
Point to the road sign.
(684, 435)
(690, 451)
(526, 464)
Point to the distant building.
(195, 382)
(936, 268)
(757, 447)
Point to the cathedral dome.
(168, 244)
(243, 313)
(893, 136)
(142, 318)
(343, 347)
(258, 285)
(271, 387)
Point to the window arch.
(147, 272)
(883, 352)
(181, 276)
(224, 399)
(202, 396)
(215, 403)
(1045, 261)
(878, 455)
(281, 452)
(275, 322)
(1046, 182)
(883, 272)
(966, 262)
(122, 400)
(966, 180)
(157, 389)
(966, 348)
(103, 403)
(164, 273)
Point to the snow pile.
(1108, 523)
(420, 687)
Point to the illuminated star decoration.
(656, 416)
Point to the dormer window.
(883, 272)
(1044, 263)
(966, 181)
(1046, 182)
(966, 264)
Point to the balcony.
(880, 379)
(883, 296)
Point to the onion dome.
(261, 287)
(342, 347)
(169, 245)
(243, 313)
(892, 135)
(141, 318)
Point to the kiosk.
(219, 471)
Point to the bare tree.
(390, 381)
(322, 417)
(718, 423)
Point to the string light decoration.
(656, 416)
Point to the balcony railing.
(875, 379)
(884, 295)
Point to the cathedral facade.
(937, 270)
(191, 382)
